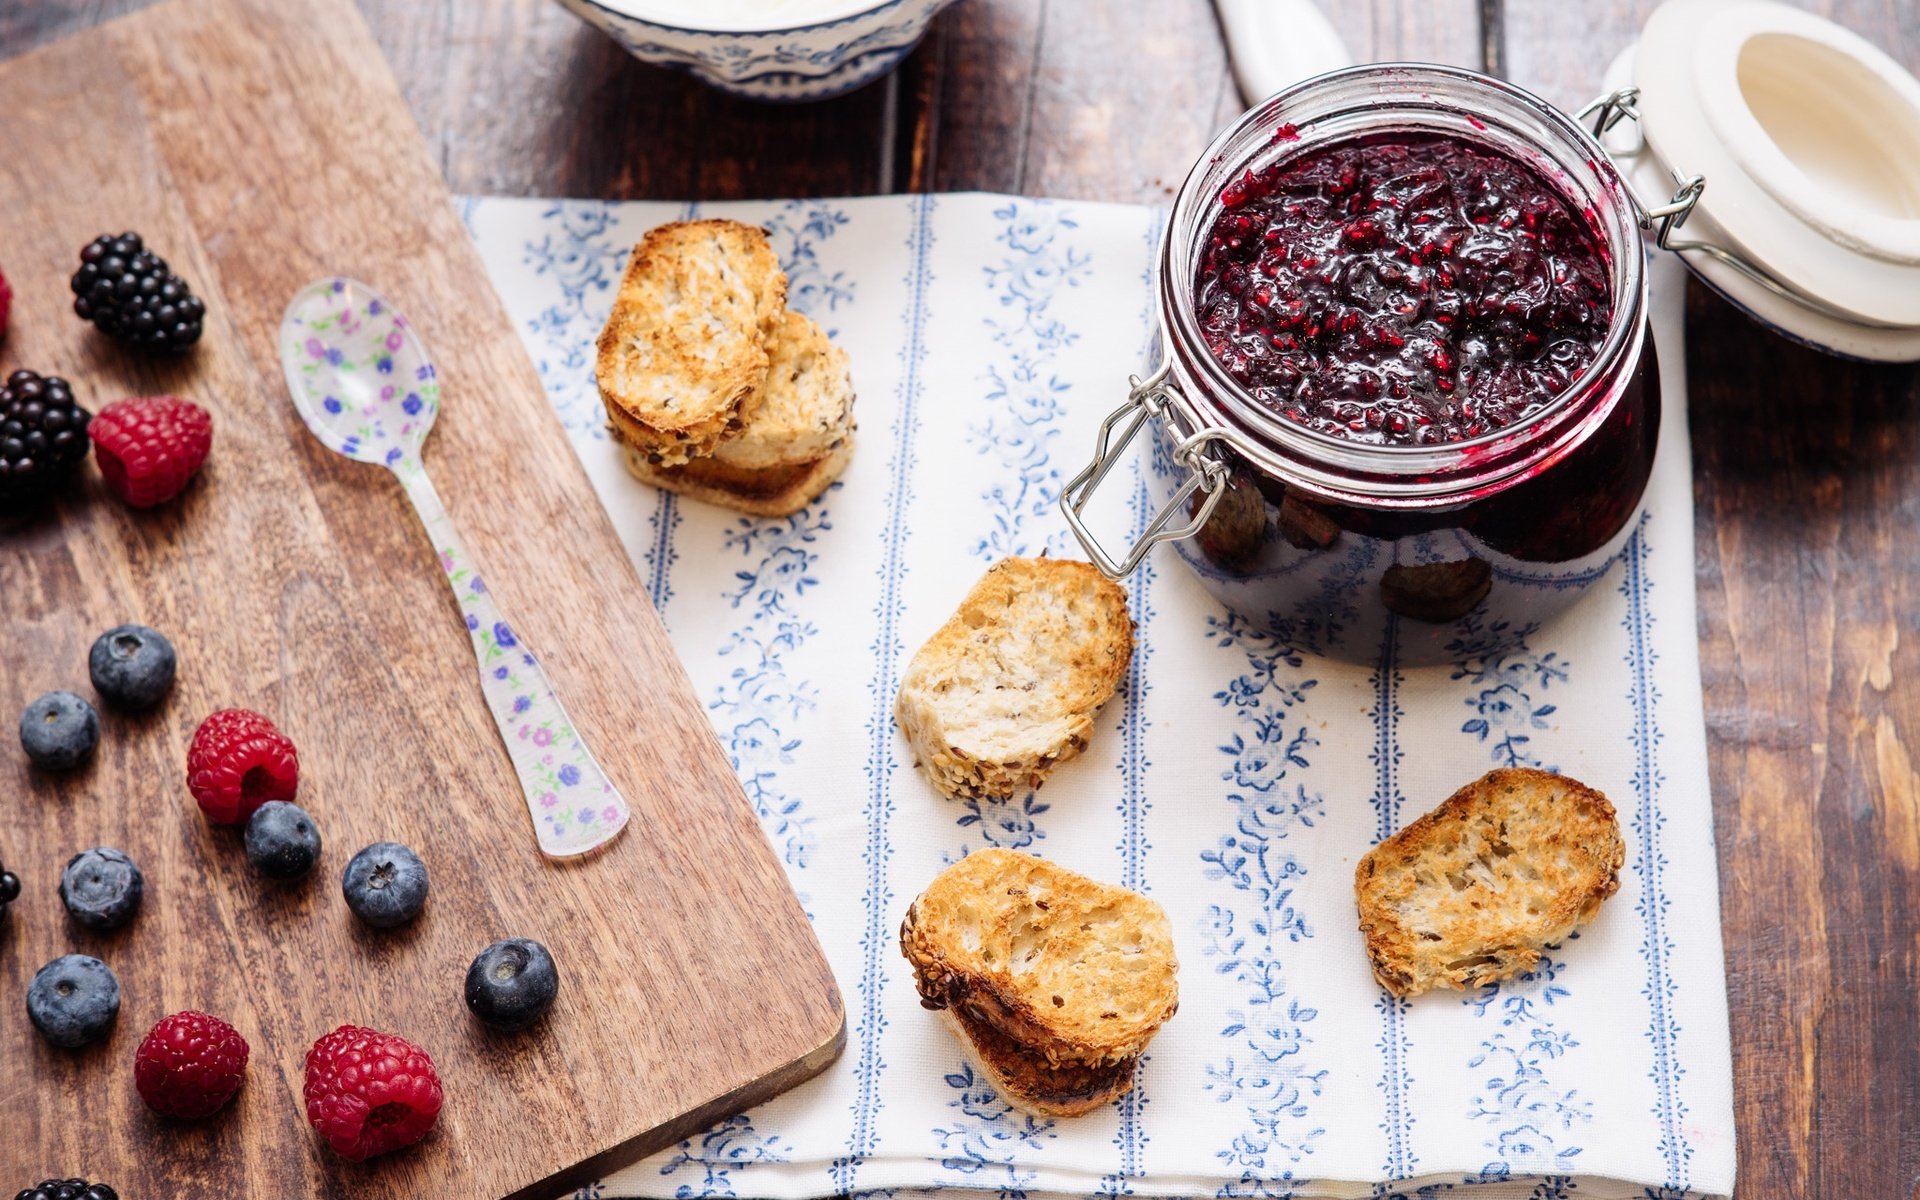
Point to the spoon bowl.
(360, 376)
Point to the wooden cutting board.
(258, 144)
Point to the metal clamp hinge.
(1149, 399)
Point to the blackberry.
(9, 889)
(130, 295)
(43, 434)
(68, 1189)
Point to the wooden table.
(1807, 470)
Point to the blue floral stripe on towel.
(1508, 705)
(1131, 1139)
(1266, 1071)
(1534, 1120)
(762, 701)
(580, 254)
(1021, 410)
(877, 943)
(1649, 822)
(1026, 395)
(660, 553)
(983, 1137)
(1396, 1078)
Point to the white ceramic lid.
(1808, 137)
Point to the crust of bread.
(1072, 969)
(1008, 688)
(1033, 1085)
(804, 411)
(772, 492)
(1474, 890)
(686, 341)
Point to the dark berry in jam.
(1402, 288)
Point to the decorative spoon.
(363, 383)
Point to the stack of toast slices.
(713, 387)
(1053, 982)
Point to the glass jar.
(1352, 549)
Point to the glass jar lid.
(1779, 155)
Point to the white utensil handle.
(1277, 43)
(575, 807)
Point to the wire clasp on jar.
(1149, 399)
(1666, 219)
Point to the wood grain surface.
(259, 146)
(1807, 469)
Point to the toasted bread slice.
(805, 409)
(1475, 889)
(686, 341)
(772, 492)
(1033, 1085)
(1072, 969)
(1007, 689)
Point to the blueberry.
(132, 666)
(282, 840)
(58, 731)
(101, 888)
(385, 885)
(512, 983)
(73, 1000)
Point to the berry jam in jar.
(1407, 398)
(1402, 289)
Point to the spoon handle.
(575, 807)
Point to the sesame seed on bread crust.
(804, 411)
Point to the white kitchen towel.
(1233, 779)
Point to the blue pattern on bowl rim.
(805, 62)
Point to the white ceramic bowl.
(786, 50)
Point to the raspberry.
(6, 304)
(189, 1064)
(369, 1092)
(150, 446)
(237, 762)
